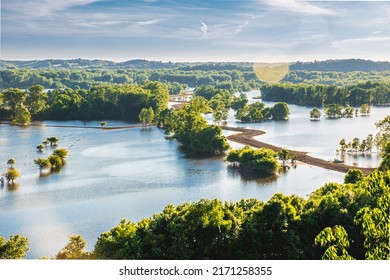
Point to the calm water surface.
(319, 138)
(130, 173)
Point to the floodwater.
(319, 138)
(133, 173)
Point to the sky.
(187, 30)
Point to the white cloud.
(42, 7)
(298, 6)
(204, 28)
(373, 45)
(149, 22)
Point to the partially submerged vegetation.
(260, 161)
(338, 221)
(189, 128)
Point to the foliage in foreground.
(15, 247)
(338, 221)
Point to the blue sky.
(219, 30)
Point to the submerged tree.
(258, 160)
(365, 109)
(333, 111)
(280, 111)
(11, 162)
(12, 175)
(43, 163)
(284, 155)
(53, 140)
(40, 147)
(146, 116)
(315, 114)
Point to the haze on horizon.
(195, 31)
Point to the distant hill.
(340, 65)
(78, 64)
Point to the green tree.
(375, 218)
(333, 111)
(353, 176)
(284, 155)
(45, 142)
(369, 142)
(103, 124)
(15, 247)
(11, 162)
(121, 242)
(355, 144)
(43, 163)
(343, 145)
(22, 116)
(53, 140)
(55, 161)
(259, 160)
(62, 153)
(383, 135)
(36, 99)
(14, 98)
(315, 114)
(280, 111)
(74, 250)
(385, 163)
(40, 147)
(365, 109)
(348, 112)
(336, 241)
(146, 116)
(12, 175)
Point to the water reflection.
(12, 187)
(118, 174)
(254, 177)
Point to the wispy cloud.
(42, 7)
(149, 22)
(365, 45)
(298, 6)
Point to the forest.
(120, 102)
(83, 74)
(319, 95)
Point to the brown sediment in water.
(246, 137)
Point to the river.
(133, 173)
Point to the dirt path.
(246, 137)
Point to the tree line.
(176, 79)
(320, 95)
(119, 102)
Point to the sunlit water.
(319, 138)
(131, 173)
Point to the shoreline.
(77, 126)
(246, 136)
